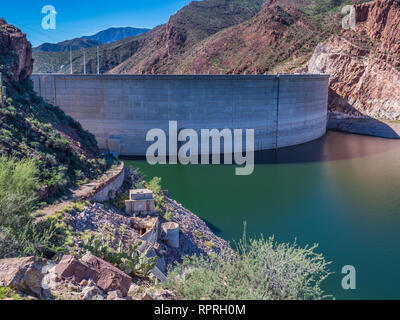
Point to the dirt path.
(84, 192)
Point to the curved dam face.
(283, 110)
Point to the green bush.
(20, 235)
(155, 186)
(33, 129)
(8, 293)
(127, 258)
(46, 236)
(259, 270)
(18, 183)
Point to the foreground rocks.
(22, 274)
(33, 279)
(104, 274)
(83, 276)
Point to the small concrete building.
(140, 201)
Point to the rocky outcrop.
(108, 277)
(364, 64)
(104, 274)
(22, 274)
(15, 46)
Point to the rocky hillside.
(160, 49)
(278, 36)
(218, 36)
(64, 153)
(281, 37)
(365, 63)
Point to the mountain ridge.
(103, 37)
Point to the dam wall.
(284, 110)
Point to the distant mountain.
(160, 49)
(107, 36)
(75, 44)
(217, 37)
(115, 34)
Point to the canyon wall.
(364, 63)
(15, 52)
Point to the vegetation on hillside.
(19, 234)
(64, 154)
(260, 270)
(43, 154)
(218, 37)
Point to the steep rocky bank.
(64, 152)
(14, 46)
(104, 230)
(364, 63)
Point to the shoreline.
(364, 126)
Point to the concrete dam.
(284, 110)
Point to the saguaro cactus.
(2, 90)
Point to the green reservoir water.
(341, 191)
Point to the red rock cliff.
(364, 63)
(15, 46)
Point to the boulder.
(114, 295)
(108, 277)
(92, 293)
(71, 268)
(159, 294)
(22, 274)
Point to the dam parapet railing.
(284, 110)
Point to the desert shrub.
(33, 129)
(8, 293)
(19, 234)
(18, 183)
(127, 257)
(168, 216)
(48, 236)
(259, 270)
(155, 186)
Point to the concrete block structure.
(140, 201)
(284, 110)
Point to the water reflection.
(333, 146)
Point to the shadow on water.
(212, 227)
(331, 147)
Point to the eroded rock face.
(15, 46)
(364, 64)
(22, 274)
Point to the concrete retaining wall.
(109, 189)
(119, 110)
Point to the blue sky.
(86, 17)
